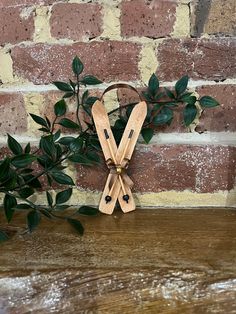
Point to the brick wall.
(121, 40)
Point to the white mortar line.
(208, 138)
(50, 87)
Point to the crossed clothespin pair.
(118, 184)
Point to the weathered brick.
(212, 59)
(213, 17)
(17, 24)
(221, 118)
(42, 63)
(156, 168)
(150, 19)
(12, 3)
(76, 20)
(13, 118)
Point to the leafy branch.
(24, 171)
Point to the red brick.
(150, 19)
(76, 21)
(212, 59)
(13, 118)
(221, 118)
(156, 168)
(16, 25)
(12, 3)
(42, 63)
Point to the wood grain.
(147, 261)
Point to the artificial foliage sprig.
(24, 169)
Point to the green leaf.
(62, 207)
(63, 196)
(67, 123)
(153, 85)
(14, 146)
(81, 159)
(76, 225)
(164, 116)
(190, 112)
(181, 85)
(60, 108)
(3, 236)
(188, 98)
(90, 80)
(147, 134)
(39, 120)
(33, 220)
(56, 135)
(4, 167)
(93, 157)
(77, 66)
(76, 144)
(9, 203)
(48, 146)
(27, 149)
(91, 100)
(23, 206)
(26, 192)
(66, 140)
(32, 181)
(63, 86)
(68, 95)
(208, 102)
(87, 211)
(169, 93)
(23, 160)
(49, 199)
(62, 178)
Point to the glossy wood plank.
(147, 261)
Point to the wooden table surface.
(147, 261)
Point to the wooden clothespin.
(118, 184)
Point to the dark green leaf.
(77, 66)
(164, 116)
(90, 80)
(4, 167)
(3, 236)
(9, 203)
(147, 96)
(33, 220)
(62, 178)
(208, 102)
(63, 196)
(91, 100)
(76, 225)
(67, 123)
(27, 149)
(81, 159)
(85, 96)
(23, 206)
(188, 98)
(147, 134)
(157, 107)
(48, 146)
(14, 146)
(26, 192)
(66, 140)
(88, 211)
(181, 85)
(63, 86)
(23, 160)
(46, 213)
(93, 157)
(49, 199)
(169, 93)
(60, 108)
(46, 130)
(61, 207)
(39, 120)
(73, 84)
(153, 85)
(68, 95)
(190, 112)
(76, 144)
(56, 135)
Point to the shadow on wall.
(202, 9)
